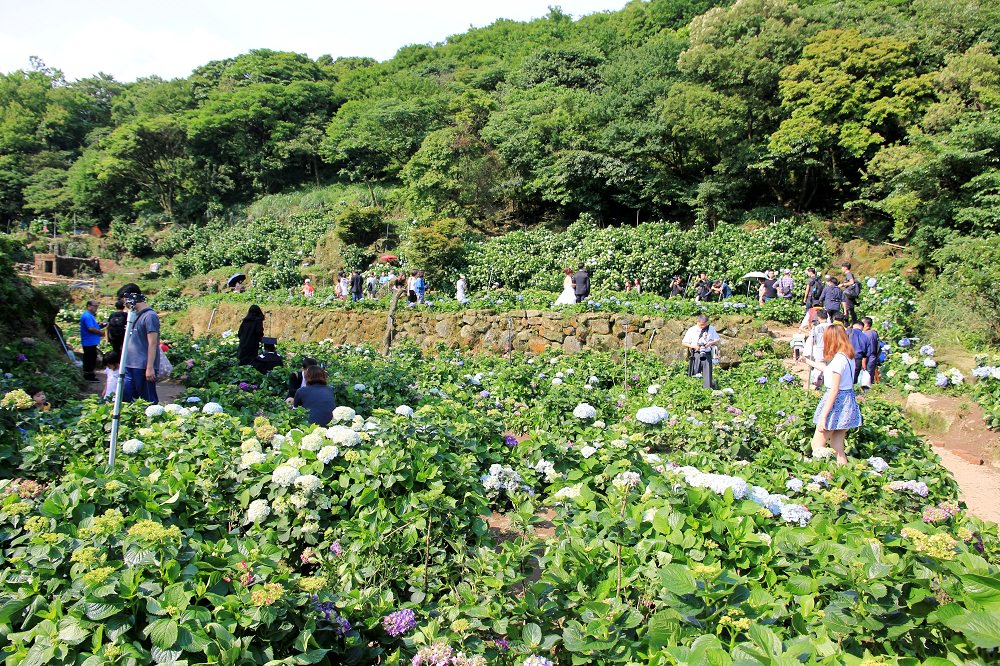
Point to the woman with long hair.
(250, 334)
(838, 411)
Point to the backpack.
(814, 292)
(854, 290)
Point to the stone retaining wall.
(482, 330)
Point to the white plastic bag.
(164, 367)
(864, 379)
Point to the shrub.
(129, 238)
(360, 225)
(436, 248)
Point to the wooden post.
(390, 323)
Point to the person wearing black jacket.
(250, 334)
(270, 359)
(357, 286)
(296, 380)
(116, 328)
(813, 289)
(581, 284)
(831, 297)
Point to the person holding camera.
(90, 337)
(701, 339)
(143, 347)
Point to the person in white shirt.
(838, 411)
(702, 339)
(112, 362)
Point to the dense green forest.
(884, 115)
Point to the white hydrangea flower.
(193, 399)
(600, 425)
(278, 441)
(327, 453)
(587, 451)
(258, 511)
(132, 446)
(592, 380)
(298, 501)
(296, 462)
(556, 381)
(567, 492)
(252, 458)
(359, 387)
(310, 527)
(546, 470)
(559, 375)
(173, 408)
(404, 410)
(930, 363)
(312, 442)
(342, 413)
(913, 376)
(250, 445)
(343, 436)
(584, 411)
(652, 415)
(626, 481)
(154, 410)
(284, 475)
(212, 408)
(307, 483)
(653, 389)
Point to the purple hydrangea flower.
(762, 380)
(941, 380)
(501, 643)
(787, 378)
(399, 622)
(335, 549)
(484, 394)
(510, 441)
(21, 357)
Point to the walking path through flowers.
(978, 485)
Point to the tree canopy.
(695, 110)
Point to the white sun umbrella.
(752, 275)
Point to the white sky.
(130, 39)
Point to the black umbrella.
(236, 279)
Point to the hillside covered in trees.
(883, 115)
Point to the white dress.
(568, 295)
(460, 291)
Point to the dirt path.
(166, 391)
(979, 485)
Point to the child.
(111, 362)
(798, 344)
(39, 398)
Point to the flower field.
(646, 520)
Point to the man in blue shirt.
(90, 337)
(862, 348)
